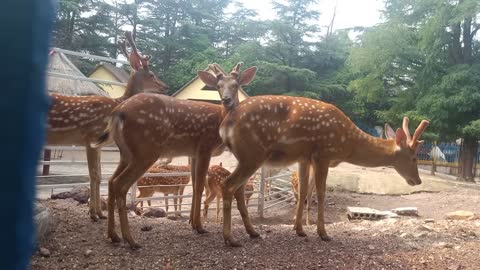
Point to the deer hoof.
(201, 230)
(301, 233)
(94, 217)
(254, 234)
(102, 216)
(232, 243)
(115, 239)
(325, 238)
(135, 246)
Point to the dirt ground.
(404, 243)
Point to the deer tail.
(115, 124)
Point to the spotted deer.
(281, 130)
(148, 185)
(146, 127)
(79, 120)
(214, 187)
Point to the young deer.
(147, 127)
(214, 187)
(79, 120)
(281, 130)
(148, 185)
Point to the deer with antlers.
(147, 127)
(79, 120)
(281, 130)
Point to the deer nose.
(226, 100)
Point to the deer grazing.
(147, 127)
(214, 187)
(148, 185)
(79, 120)
(281, 130)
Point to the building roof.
(119, 73)
(196, 78)
(59, 63)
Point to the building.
(196, 89)
(109, 72)
(59, 64)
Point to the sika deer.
(147, 127)
(148, 185)
(79, 120)
(214, 187)
(281, 130)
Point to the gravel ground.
(405, 243)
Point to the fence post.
(47, 153)
(261, 195)
(434, 160)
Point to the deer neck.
(372, 151)
(129, 90)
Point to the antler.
(143, 60)
(123, 48)
(413, 142)
(216, 69)
(236, 70)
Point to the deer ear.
(208, 78)
(247, 75)
(400, 138)
(389, 133)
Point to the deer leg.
(121, 186)
(95, 173)
(166, 203)
(235, 181)
(208, 200)
(111, 202)
(242, 208)
(321, 171)
(200, 173)
(303, 185)
(193, 175)
(311, 184)
(175, 202)
(217, 218)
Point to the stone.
(371, 247)
(367, 213)
(155, 212)
(403, 235)
(420, 234)
(88, 252)
(79, 194)
(406, 211)
(429, 220)
(424, 228)
(44, 222)
(460, 215)
(146, 228)
(44, 252)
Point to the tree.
(423, 61)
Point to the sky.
(349, 12)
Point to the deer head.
(405, 160)
(143, 79)
(228, 84)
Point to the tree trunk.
(468, 151)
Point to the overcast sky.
(349, 12)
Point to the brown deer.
(148, 185)
(214, 187)
(147, 127)
(79, 120)
(281, 130)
